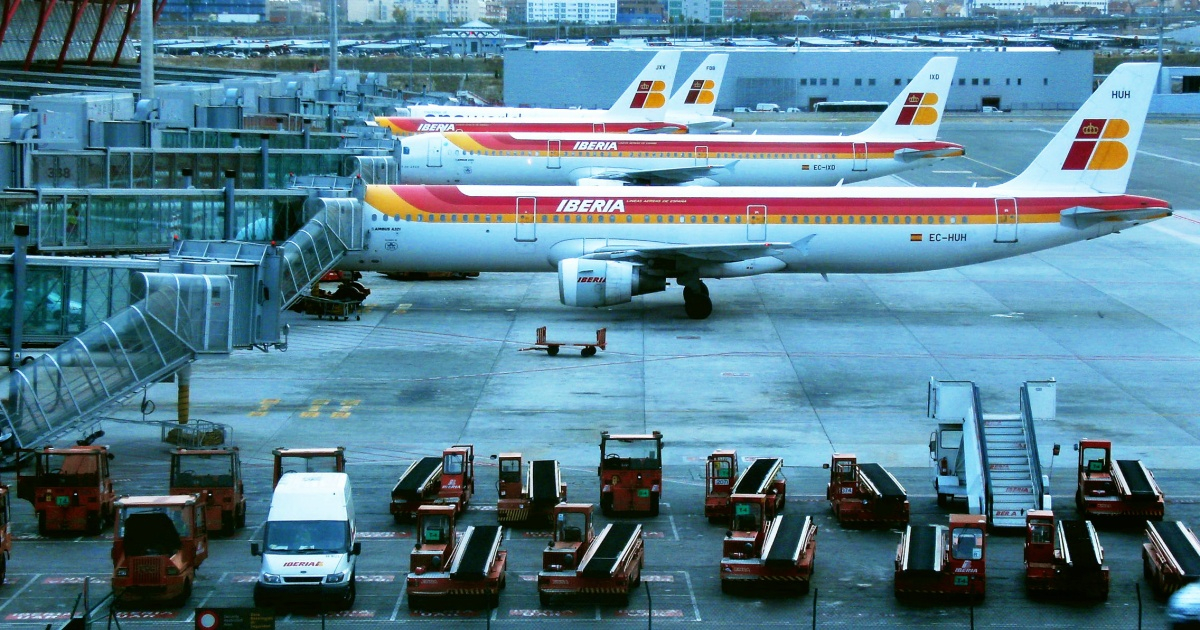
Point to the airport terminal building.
(1033, 78)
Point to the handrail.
(983, 453)
(1035, 463)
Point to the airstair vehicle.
(991, 460)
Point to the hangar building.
(1041, 78)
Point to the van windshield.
(307, 537)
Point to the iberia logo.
(701, 92)
(649, 95)
(918, 109)
(1098, 146)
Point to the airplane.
(904, 137)
(642, 108)
(609, 244)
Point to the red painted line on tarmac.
(383, 535)
(381, 577)
(1189, 219)
(535, 534)
(644, 613)
(72, 579)
(658, 578)
(37, 616)
(538, 612)
(528, 577)
(653, 534)
(146, 614)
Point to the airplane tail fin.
(698, 95)
(1095, 149)
(916, 113)
(647, 95)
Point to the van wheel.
(348, 601)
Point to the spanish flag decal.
(1098, 146)
(914, 237)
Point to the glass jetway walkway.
(178, 316)
(230, 295)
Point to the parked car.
(1183, 609)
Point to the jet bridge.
(206, 297)
(991, 460)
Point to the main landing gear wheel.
(696, 302)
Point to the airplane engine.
(583, 282)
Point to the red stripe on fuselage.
(506, 142)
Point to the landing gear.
(696, 302)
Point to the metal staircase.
(1016, 483)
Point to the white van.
(308, 548)
(766, 107)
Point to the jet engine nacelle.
(583, 282)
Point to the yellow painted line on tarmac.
(401, 309)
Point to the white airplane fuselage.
(707, 160)
(836, 230)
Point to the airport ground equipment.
(528, 494)
(630, 473)
(71, 489)
(939, 562)
(766, 551)
(865, 494)
(763, 476)
(331, 459)
(720, 471)
(5, 532)
(214, 475)
(1118, 489)
(577, 563)
(445, 480)
(160, 541)
(1171, 556)
(990, 460)
(1063, 557)
(588, 348)
(446, 570)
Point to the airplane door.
(756, 223)
(433, 154)
(554, 154)
(701, 156)
(597, 127)
(860, 156)
(1006, 220)
(526, 219)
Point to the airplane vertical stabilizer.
(647, 96)
(698, 95)
(1095, 150)
(916, 113)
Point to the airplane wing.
(1083, 217)
(715, 253)
(656, 176)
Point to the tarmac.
(797, 367)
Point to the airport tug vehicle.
(331, 459)
(1063, 557)
(722, 481)
(937, 562)
(445, 480)
(579, 564)
(865, 494)
(159, 543)
(446, 570)
(630, 473)
(71, 489)
(764, 550)
(1170, 557)
(528, 497)
(214, 475)
(5, 532)
(1110, 489)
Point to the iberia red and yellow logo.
(1098, 146)
(649, 95)
(918, 109)
(701, 92)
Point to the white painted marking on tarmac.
(687, 577)
(33, 580)
(1188, 238)
(953, 172)
(1169, 158)
(674, 531)
(207, 597)
(396, 608)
